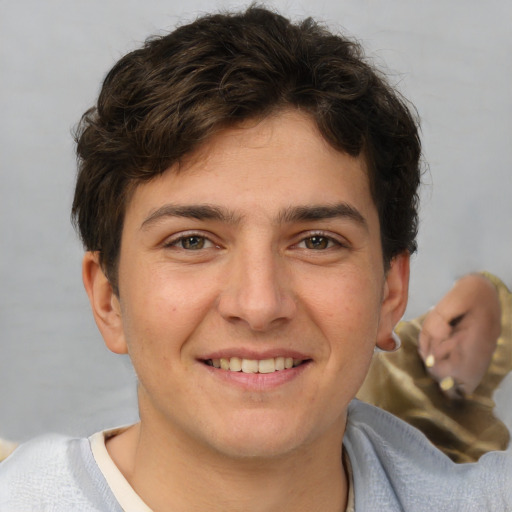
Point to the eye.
(191, 243)
(318, 242)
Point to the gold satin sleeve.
(465, 429)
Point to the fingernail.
(430, 361)
(447, 383)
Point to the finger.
(441, 349)
(424, 342)
(440, 369)
(437, 325)
(434, 329)
(449, 365)
(452, 388)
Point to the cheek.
(162, 311)
(350, 323)
(353, 304)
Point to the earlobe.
(104, 303)
(394, 301)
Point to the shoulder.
(53, 473)
(396, 467)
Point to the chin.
(258, 447)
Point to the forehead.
(262, 165)
(288, 129)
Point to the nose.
(256, 291)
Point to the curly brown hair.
(162, 101)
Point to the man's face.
(261, 249)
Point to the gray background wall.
(451, 58)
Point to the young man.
(247, 199)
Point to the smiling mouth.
(237, 364)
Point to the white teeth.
(249, 366)
(237, 364)
(267, 366)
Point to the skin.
(459, 334)
(284, 258)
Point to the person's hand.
(459, 335)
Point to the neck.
(165, 470)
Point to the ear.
(394, 300)
(104, 303)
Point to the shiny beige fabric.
(6, 448)
(464, 430)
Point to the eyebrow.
(322, 212)
(198, 212)
(288, 215)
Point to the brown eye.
(192, 242)
(317, 242)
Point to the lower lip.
(258, 381)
